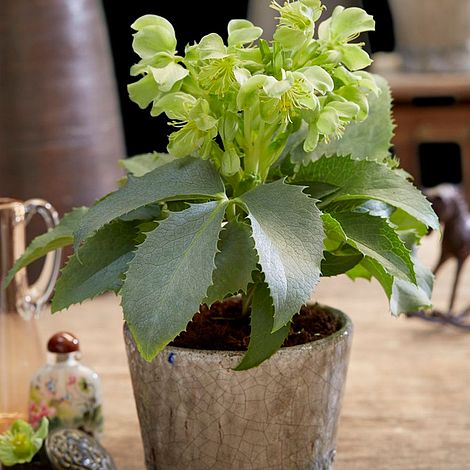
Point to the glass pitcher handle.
(38, 293)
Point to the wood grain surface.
(407, 401)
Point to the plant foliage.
(278, 171)
(20, 443)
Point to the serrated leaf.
(178, 179)
(408, 228)
(234, 262)
(365, 179)
(377, 270)
(288, 233)
(358, 272)
(139, 165)
(339, 262)
(403, 296)
(169, 276)
(318, 190)
(57, 237)
(373, 237)
(370, 206)
(150, 212)
(99, 266)
(407, 297)
(334, 234)
(263, 343)
(375, 208)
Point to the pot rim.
(338, 336)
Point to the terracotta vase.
(196, 412)
(60, 125)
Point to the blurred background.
(66, 119)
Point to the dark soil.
(223, 327)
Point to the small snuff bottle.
(65, 391)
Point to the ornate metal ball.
(72, 449)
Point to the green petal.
(154, 34)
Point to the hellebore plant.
(278, 172)
(20, 443)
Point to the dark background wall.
(382, 39)
(191, 21)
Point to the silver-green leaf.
(169, 276)
(263, 342)
(288, 233)
(234, 262)
(407, 297)
(366, 179)
(403, 296)
(373, 237)
(99, 267)
(183, 178)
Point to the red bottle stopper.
(63, 343)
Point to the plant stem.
(247, 300)
(231, 212)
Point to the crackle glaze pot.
(197, 413)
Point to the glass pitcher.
(21, 352)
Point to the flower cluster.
(237, 103)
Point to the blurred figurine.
(451, 208)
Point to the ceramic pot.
(60, 124)
(432, 35)
(197, 413)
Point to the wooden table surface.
(407, 400)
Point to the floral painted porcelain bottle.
(65, 391)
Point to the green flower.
(296, 22)
(217, 76)
(21, 443)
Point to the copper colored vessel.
(60, 124)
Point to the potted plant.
(279, 172)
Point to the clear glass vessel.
(20, 303)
